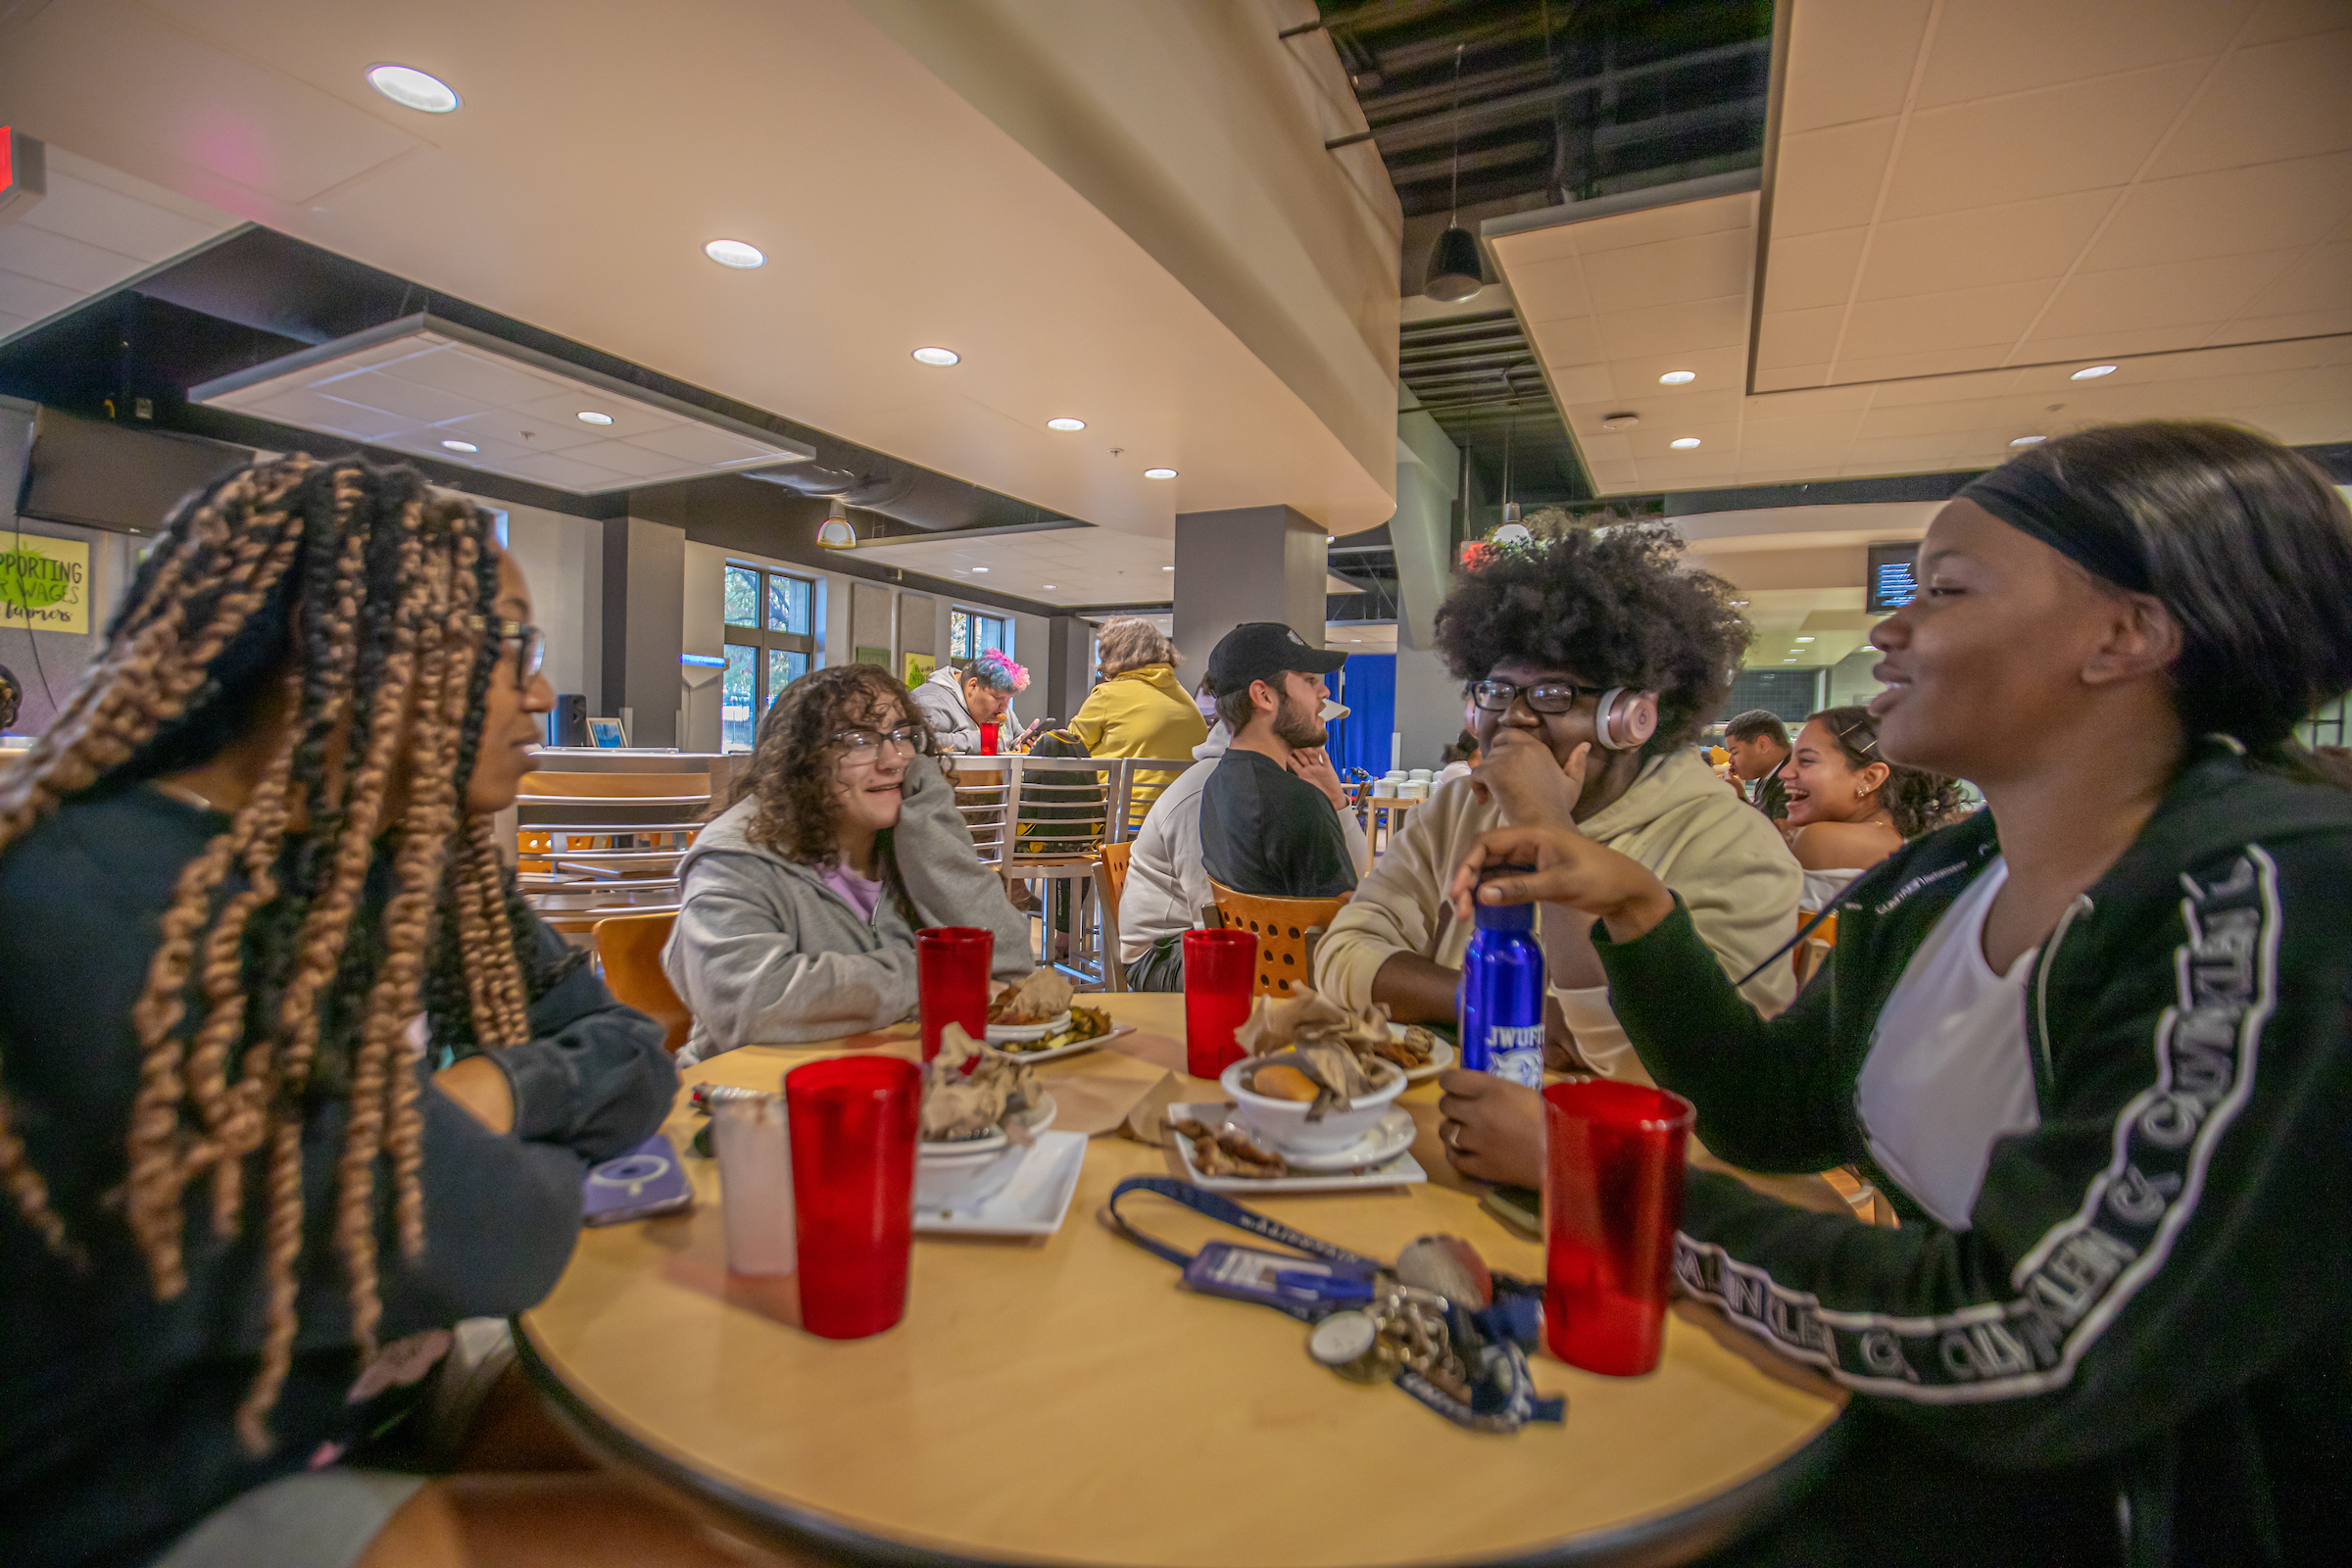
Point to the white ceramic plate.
(1033, 1203)
(1000, 1033)
(1388, 1138)
(1399, 1170)
(957, 1149)
(1439, 1059)
(1073, 1049)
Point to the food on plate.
(1416, 1051)
(1283, 1082)
(1222, 1152)
(971, 1092)
(1086, 1023)
(1310, 1018)
(1039, 996)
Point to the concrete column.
(1248, 563)
(643, 626)
(1429, 699)
(1069, 671)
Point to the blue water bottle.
(1501, 998)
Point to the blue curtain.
(1367, 684)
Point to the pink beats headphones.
(1623, 719)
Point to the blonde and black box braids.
(362, 599)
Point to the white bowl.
(1002, 1033)
(960, 1174)
(1282, 1123)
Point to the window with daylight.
(970, 633)
(772, 641)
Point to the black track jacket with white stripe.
(2156, 1283)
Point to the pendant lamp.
(1453, 269)
(835, 533)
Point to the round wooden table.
(1065, 1402)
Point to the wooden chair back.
(1110, 881)
(1287, 931)
(628, 948)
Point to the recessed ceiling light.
(591, 417)
(1167, 569)
(1619, 422)
(412, 89)
(2029, 440)
(1677, 377)
(1160, 473)
(2092, 372)
(1065, 424)
(735, 253)
(1684, 443)
(1045, 585)
(979, 568)
(460, 446)
(1804, 639)
(937, 356)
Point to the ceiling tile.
(1989, 47)
(1904, 367)
(627, 420)
(68, 263)
(1549, 290)
(31, 297)
(1814, 399)
(475, 376)
(1825, 180)
(2320, 280)
(2301, 323)
(1981, 384)
(1670, 328)
(1799, 337)
(308, 409)
(2071, 353)
(1675, 221)
(2293, 18)
(526, 432)
(2009, 242)
(420, 405)
(1810, 270)
(1719, 407)
(2266, 207)
(566, 473)
(702, 445)
(116, 221)
(2081, 136)
(1961, 317)
(490, 453)
(1929, 418)
(626, 458)
(2138, 298)
(1567, 340)
(1789, 377)
(1715, 369)
(1696, 268)
(2282, 100)
(1849, 60)
(1580, 383)
(1798, 431)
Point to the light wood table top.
(1065, 1402)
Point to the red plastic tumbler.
(1220, 972)
(853, 1121)
(950, 980)
(1612, 1199)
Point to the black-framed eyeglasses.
(531, 651)
(1544, 697)
(866, 745)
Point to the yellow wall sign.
(44, 583)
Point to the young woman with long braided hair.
(293, 1081)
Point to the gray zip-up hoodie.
(765, 953)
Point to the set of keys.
(1403, 1328)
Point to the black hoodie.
(116, 1411)
(2153, 1292)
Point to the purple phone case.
(646, 1181)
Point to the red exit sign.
(21, 172)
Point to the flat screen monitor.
(1892, 582)
(103, 475)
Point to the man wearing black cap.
(1264, 829)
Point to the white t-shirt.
(1950, 1069)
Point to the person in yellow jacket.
(1139, 710)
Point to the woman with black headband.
(2092, 1039)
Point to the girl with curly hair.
(1541, 635)
(840, 840)
(292, 1079)
(1849, 806)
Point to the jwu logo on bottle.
(1516, 1052)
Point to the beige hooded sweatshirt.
(1725, 860)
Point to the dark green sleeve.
(1771, 1095)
